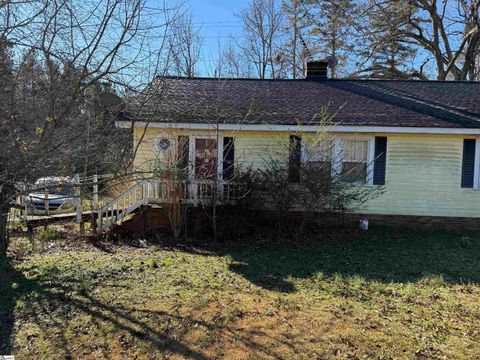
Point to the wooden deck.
(164, 191)
(34, 220)
(147, 192)
(58, 217)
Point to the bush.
(49, 234)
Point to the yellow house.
(418, 140)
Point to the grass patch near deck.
(382, 294)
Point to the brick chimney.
(317, 70)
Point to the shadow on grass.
(44, 296)
(382, 254)
(385, 255)
(50, 302)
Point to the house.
(419, 140)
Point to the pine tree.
(384, 55)
(294, 51)
(444, 32)
(333, 22)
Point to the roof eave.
(301, 128)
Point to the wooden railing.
(149, 191)
(115, 210)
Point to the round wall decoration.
(164, 143)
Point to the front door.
(206, 157)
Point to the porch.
(207, 161)
(160, 192)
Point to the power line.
(217, 22)
(217, 26)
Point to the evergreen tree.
(294, 51)
(384, 55)
(332, 24)
(445, 32)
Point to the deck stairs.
(160, 191)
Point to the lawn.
(383, 294)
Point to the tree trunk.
(6, 195)
(214, 223)
(4, 240)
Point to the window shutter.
(468, 163)
(183, 149)
(295, 159)
(380, 162)
(228, 158)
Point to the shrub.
(49, 234)
(311, 185)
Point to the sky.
(217, 21)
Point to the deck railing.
(161, 191)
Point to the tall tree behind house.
(232, 62)
(261, 21)
(447, 31)
(295, 32)
(185, 46)
(6, 78)
(332, 24)
(381, 54)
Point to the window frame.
(476, 167)
(337, 151)
(192, 149)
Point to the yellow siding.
(254, 149)
(251, 148)
(144, 145)
(422, 177)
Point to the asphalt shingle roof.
(291, 102)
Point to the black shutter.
(380, 162)
(183, 149)
(228, 158)
(295, 159)
(468, 163)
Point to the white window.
(349, 159)
(317, 158)
(353, 160)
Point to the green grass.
(383, 294)
(385, 255)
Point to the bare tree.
(261, 22)
(448, 31)
(59, 59)
(232, 63)
(476, 67)
(185, 46)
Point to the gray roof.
(441, 104)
